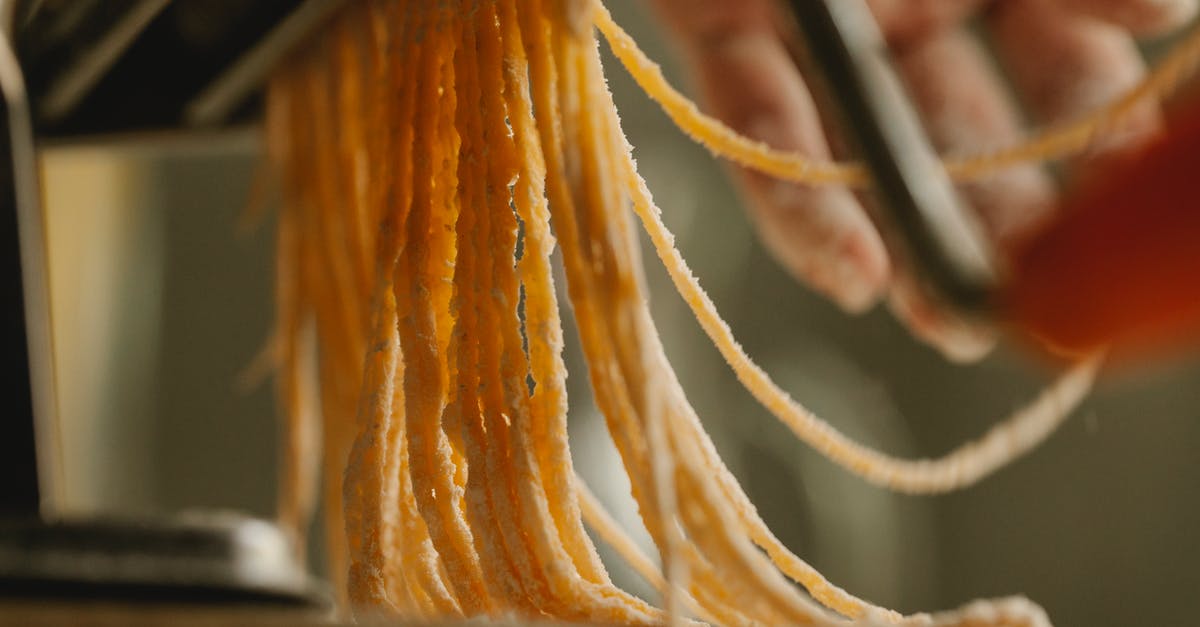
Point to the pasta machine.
(71, 68)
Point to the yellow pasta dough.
(433, 155)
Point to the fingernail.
(820, 239)
(957, 340)
(1133, 132)
(857, 273)
(1168, 14)
(963, 345)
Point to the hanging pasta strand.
(433, 157)
(548, 408)
(594, 598)
(1048, 144)
(292, 346)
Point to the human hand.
(1064, 57)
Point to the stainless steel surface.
(116, 66)
(70, 87)
(234, 86)
(34, 279)
(921, 216)
(207, 558)
(40, 613)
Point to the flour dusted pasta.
(433, 156)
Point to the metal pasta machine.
(74, 68)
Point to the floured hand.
(1064, 57)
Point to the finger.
(704, 23)
(957, 339)
(1140, 17)
(820, 234)
(1065, 64)
(965, 107)
(905, 22)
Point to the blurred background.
(162, 299)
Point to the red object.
(1120, 265)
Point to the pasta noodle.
(433, 156)
(1050, 143)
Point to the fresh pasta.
(433, 155)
